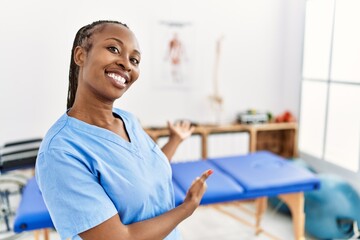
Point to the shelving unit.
(279, 138)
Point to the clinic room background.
(260, 65)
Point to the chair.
(14, 156)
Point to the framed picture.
(173, 58)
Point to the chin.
(120, 95)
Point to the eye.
(113, 50)
(134, 61)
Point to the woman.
(100, 174)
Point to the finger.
(172, 126)
(177, 124)
(186, 124)
(206, 174)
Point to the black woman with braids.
(100, 174)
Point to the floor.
(213, 223)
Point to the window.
(330, 95)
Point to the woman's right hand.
(197, 190)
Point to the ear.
(79, 55)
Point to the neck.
(95, 113)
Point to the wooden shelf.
(280, 138)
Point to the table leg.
(261, 205)
(295, 202)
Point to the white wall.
(260, 64)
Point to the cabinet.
(279, 138)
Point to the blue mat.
(235, 178)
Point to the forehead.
(116, 31)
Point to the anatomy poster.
(173, 65)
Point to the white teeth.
(117, 78)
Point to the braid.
(82, 38)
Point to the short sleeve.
(72, 193)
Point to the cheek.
(137, 73)
(134, 76)
(96, 69)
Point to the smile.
(119, 79)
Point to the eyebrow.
(121, 42)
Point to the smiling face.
(110, 65)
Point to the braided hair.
(82, 38)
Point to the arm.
(178, 133)
(156, 228)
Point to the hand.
(197, 189)
(180, 130)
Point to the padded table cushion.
(221, 188)
(264, 173)
(247, 176)
(32, 214)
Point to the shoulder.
(63, 135)
(55, 130)
(124, 113)
(128, 117)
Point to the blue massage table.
(254, 176)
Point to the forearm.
(159, 227)
(156, 228)
(170, 147)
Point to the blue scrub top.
(88, 174)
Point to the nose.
(124, 64)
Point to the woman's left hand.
(180, 130)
